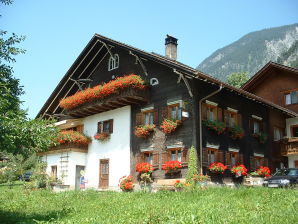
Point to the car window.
(286, 172)
(293, 172)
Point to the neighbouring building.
(195, 102)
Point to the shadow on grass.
(7, 217)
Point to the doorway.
(78, 176)
(103, 173)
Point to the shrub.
(126, 183)
(144, 131)
(168, 126)
(171, 166)
(217, 126)
(74, 137)
(239, 170)
(217, 167)
(192, 166)
(102, 91)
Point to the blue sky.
(57, 31)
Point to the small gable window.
(113, 62)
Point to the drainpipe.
(200, 125)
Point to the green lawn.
(213, 205)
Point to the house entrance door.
(104, 173)
(78, 176)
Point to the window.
(113, 62)
(175, 112)
(105, 126)
(256, 126)
(294, 131)
(210, 111)
(54, 172)
(291, 98)
(176, 155)
(232, 117)
(278, 133)
(149, 117)
(211, 156)
(154, 81)
(148, 158)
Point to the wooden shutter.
(228, 159)
(139, 157)
(99, 127)
(265, 162)
(237, 158)
(204, 111)
(220, 156)
(239, 120)
(226, 117)
(165, 156)
(241, 158)
(262, 125)
(252, 163)
(165, 112)
(205, 157)
(219, 114)
(155, 157)
(139, 119)
(155, 117)
(111, 126)
(185, 155)
(251, 125)
(80, 128)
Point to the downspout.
(200, 125)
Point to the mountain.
(253, 51)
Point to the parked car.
(283, 178)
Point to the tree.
(18, 134)
(192, 166)
(237, 79)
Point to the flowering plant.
(102, 91)
(168, 126)
(144, 131)
(200, 178)
(263, 171)
(236, 132)
(102, 136)
(217, 167)
(144, 168)
(261, 136)
(239, 170)
(217, 126)
(170, 166)
(126, 183)
(178, 184)
(66, 137)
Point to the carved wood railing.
(66, 148)
(289, 146)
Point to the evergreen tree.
(192, 165)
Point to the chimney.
(171, 47)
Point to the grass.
(213, 205)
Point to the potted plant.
(172, 167)
(144, 131)
(102, 136)
(145, 178)
(263, 171)
(217, 170)
(239, 172)
(200, 179)
(236, 132)
(217, 126)
(257, 177)
(126, 184)
(72, 137)
(261, 136)
(168, 126)
(178, 186)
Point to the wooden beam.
(140, 62)
(181, 76)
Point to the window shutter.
(262, 126)
(155, 156)
(251, 125)
(204, 111)
(239, 120)
(219, 114)
(180, 109)
(165, 112)
(252, 163)
(165, 156)
(265, 162)
(111, 126)
(241, 159)
(139, 119)
(228, 159)
(237, 159)
(99, 127)
(220, 155)
(226, 117)
(80, 128)
(185, 155)
(139, 158)
(155, 117)
(205, 157)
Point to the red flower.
(169, 126)
(239, 170)
(171, 166)
(101, 136)
(126, 183)
(67, 137)
(144, 131)
(263, 171)
(217, 167)
(144, 168)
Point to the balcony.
(289, 146)
(126, 97)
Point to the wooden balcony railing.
(69, 147)
(289, 146)
(126, 97)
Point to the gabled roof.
(264, 73)
(96, 48)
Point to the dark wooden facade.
(167, 93)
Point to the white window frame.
(113, 62)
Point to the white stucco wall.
(116, 149)
(289, 123)
(291, 160)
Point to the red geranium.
(144, 168)
(144, 130)
(102, 136)
(126, 183)
(239, 170)
(169, 126)
(217, 167)
(102, 91)
(263, 171)
(74, 137)
(171, 166)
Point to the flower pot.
(237, 180)
(216, 178)
(146, 187)
(172, 174)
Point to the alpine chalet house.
(279, 84)
(137, 106)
